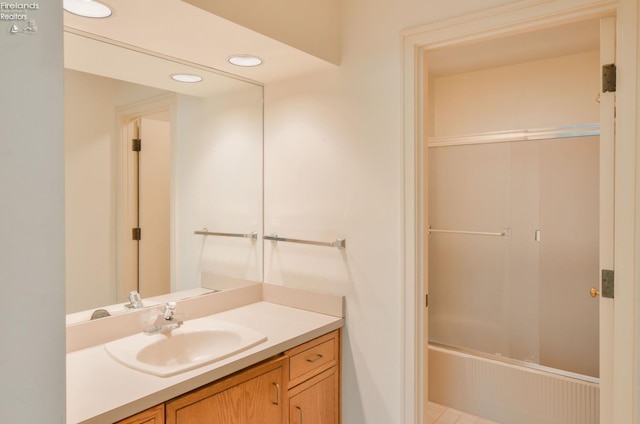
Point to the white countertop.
(101, 390)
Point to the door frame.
(508, 19)
(125, 115)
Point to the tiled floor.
(440, 414)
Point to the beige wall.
(546, 93)
(89, 191)
(91, 136)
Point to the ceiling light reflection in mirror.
(86, 54)
(186, 78)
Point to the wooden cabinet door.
(248, 397)
(316, 402)
(263, 398)
(153, 415)
(224, 407)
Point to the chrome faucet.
(135, 302)
(165, 322)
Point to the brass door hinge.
(609, 78)
(608, 283)
(136, 145)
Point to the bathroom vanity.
(300, 386)
(293, 377)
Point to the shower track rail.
(581, 130)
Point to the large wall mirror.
(199, 167)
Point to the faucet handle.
(135, 302)
(169, 309)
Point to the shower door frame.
(617, 403)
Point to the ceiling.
(178, 37)
(180, 33)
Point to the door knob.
(594, 292)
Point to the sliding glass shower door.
(513, 250)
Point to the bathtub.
(510, 392)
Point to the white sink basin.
(198, 342)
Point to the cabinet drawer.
(313, 357)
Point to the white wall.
(32, 358)
(333, 152)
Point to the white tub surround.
(99, 389)
(510, 393)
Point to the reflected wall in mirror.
(212, 175)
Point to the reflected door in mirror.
(146, 259)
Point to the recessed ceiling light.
(87, 8)
(244, 60)
(186, 77)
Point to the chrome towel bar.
(339, 243)
(205, 232)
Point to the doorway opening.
(495, 24)
(513, 195)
